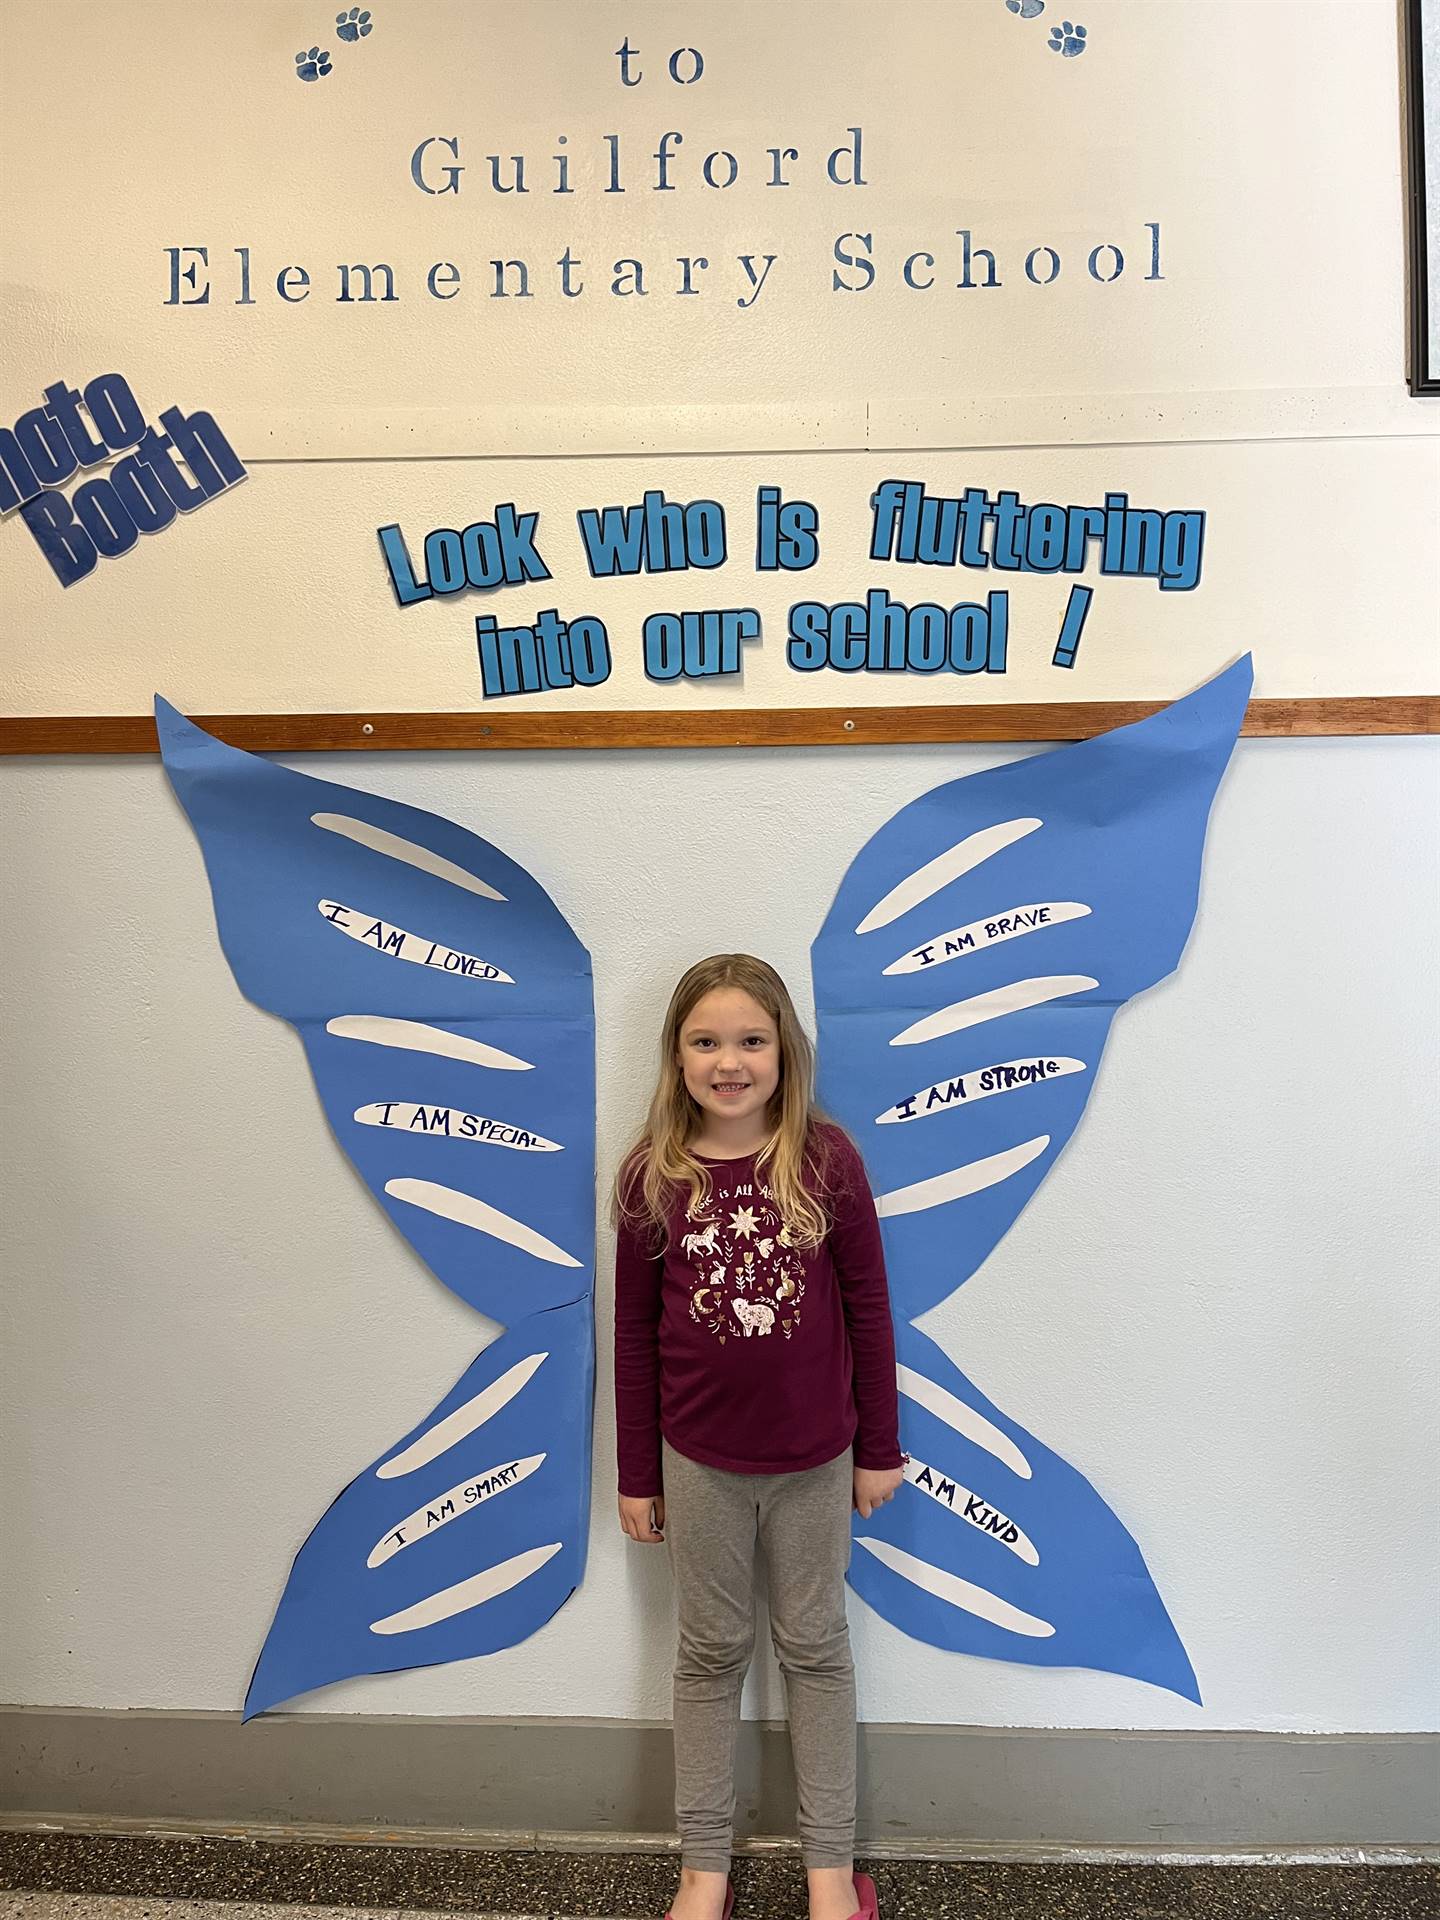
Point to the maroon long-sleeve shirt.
(748, 1353)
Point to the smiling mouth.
(731, 1086)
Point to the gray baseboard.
(919, 1785)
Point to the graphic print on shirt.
(748, 1277)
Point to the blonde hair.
(661, 1166)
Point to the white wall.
(1221, 1307)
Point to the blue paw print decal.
(1067, 39)
(352, 25)
(313, 65)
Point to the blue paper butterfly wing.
(442, 1591)
(1086, 1598)
(965, 982)
(446, 1010)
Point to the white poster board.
(1130, 284)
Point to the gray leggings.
(801, 1522)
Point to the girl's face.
(729, 1053)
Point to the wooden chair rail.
(737, 727)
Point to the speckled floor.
(59, 1876)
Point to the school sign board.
(705, 359)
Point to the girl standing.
(755, 1403)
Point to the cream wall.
(1220, 1308)
(1237, 125)
(1248, 361)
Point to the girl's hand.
(642, 1517)
(874, 1486)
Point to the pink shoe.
(729, 1904)
(865, 1893)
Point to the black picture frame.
(1423, 156)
